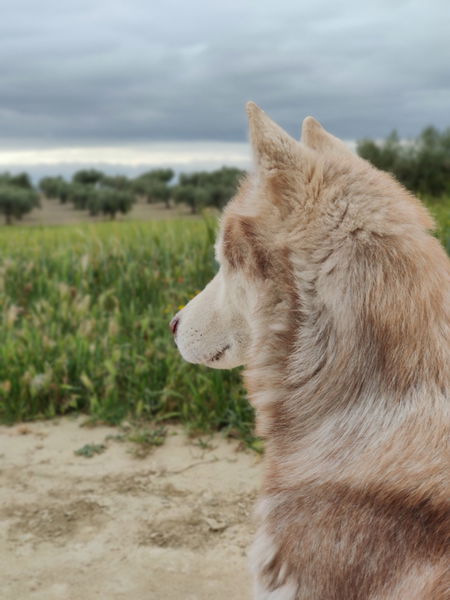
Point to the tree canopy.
(154, 185)
(87, 176)
(109, 201)
(208, 188)
(16, 201)
(422, 165)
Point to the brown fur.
(242, 247)
(382, 522)
(352, 388)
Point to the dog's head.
(278, 240)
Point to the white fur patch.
(286, 592)
(211, 330)
(263, 551)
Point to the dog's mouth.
(218, 355)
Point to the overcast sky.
(165, 82)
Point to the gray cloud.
(109, 72)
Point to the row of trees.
(207, 188)
(422, 165)
(92, 190)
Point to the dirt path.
(172, 526)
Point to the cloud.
(111, 74)
(129, 160)
(157, 154)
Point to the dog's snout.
(174, 324)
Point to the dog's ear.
(316, 137)
(282, 163)
(273, 148)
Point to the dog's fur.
(336, 298)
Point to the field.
(90, 512)
(440, 209)
(84, 326)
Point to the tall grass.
(440, 209)
(84, 314)
(84, 325)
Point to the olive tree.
(16, 201)
(108, 201)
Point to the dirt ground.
(174, 525)
(52, 212)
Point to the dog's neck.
(321, 431)
(331, 397)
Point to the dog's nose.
(174, 324)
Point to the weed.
(88, 450)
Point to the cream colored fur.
(213, 331)
(335, 297)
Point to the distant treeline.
(98, 193)
(92, 190)
(422, 165)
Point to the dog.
(335, 297)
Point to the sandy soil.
(174, 525)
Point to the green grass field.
(440, 209)
(84, 324)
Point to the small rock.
(215, 525)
